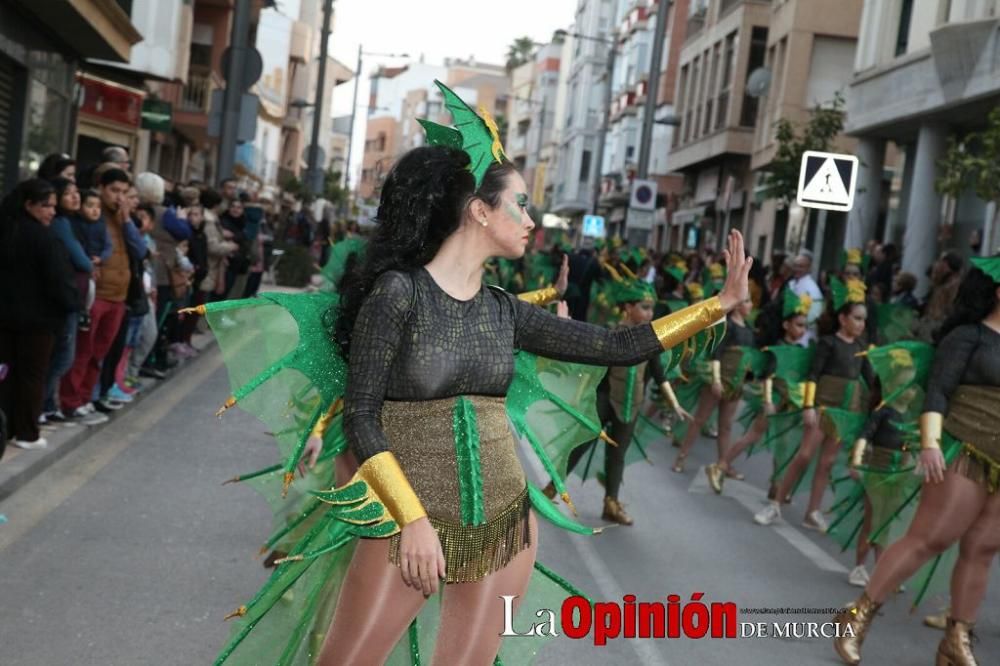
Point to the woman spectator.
(219, 248)
(198, 255)
(234, 225)
(67, 208)
(58, 165)
(36, 295)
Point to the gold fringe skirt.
(421, 436)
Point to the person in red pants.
(108, 310)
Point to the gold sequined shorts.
(421, 436)
(979, 466)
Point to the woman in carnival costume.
(428, 358)
(832, 382)
(960, 456)
(793, 326)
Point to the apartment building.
(925, 70)
(809, 60)
(725, 41)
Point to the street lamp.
(354, 107)
(599, 156)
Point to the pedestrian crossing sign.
(826, 180)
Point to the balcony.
(695, 23)
(196, 95)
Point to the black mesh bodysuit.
(840, 359)
(968, 356)
(442, 347)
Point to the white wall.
(829, 70)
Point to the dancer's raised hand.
(736, 289)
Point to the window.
(903, 34)
(758, 50)
(585, 167)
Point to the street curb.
(18, 472)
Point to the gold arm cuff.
(319, 430)
(768, 391)
(540, 296)
(386, 480)
(808, 394)
(677, 327)
(858, 452)
(931, 426)
(668, 393)
(716, 371)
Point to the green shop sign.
(156, 115)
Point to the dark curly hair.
(976, 299)
(423, 199)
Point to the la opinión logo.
(578, 618)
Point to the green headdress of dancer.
(851, 292)
(476, 134)
(988, 265)
(853, 256)
(795, 305)
(633, 291)
(678, 270)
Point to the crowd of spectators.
(95, 265)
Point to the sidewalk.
(19, 466)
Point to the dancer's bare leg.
(752, 435)
(727, 413)
(945, 512)
(811, 439)
(374, 609)
(821, 479)
(864, 546)
(706, 403)
(475, 610)
(978, 547)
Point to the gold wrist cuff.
(931, 427)
(540, 296)
(808, 394)
(386, 480)
(319, 430)
(677, 327)
(768, 391)
(668, 393)
(716, 371)
(858, 452)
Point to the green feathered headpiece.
(851, 292)
(633, 291)
(794, 304)
(988, 265)
(677, 272)
(476, 134)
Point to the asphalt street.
(128, 551)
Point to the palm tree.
(520, 52)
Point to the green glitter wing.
(553, 405)
(894, 322)
(791, 368)
(283, 365)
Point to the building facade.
(576, 183)
(809, 60)
(936, 76)
(42, 45)
(725, 41)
